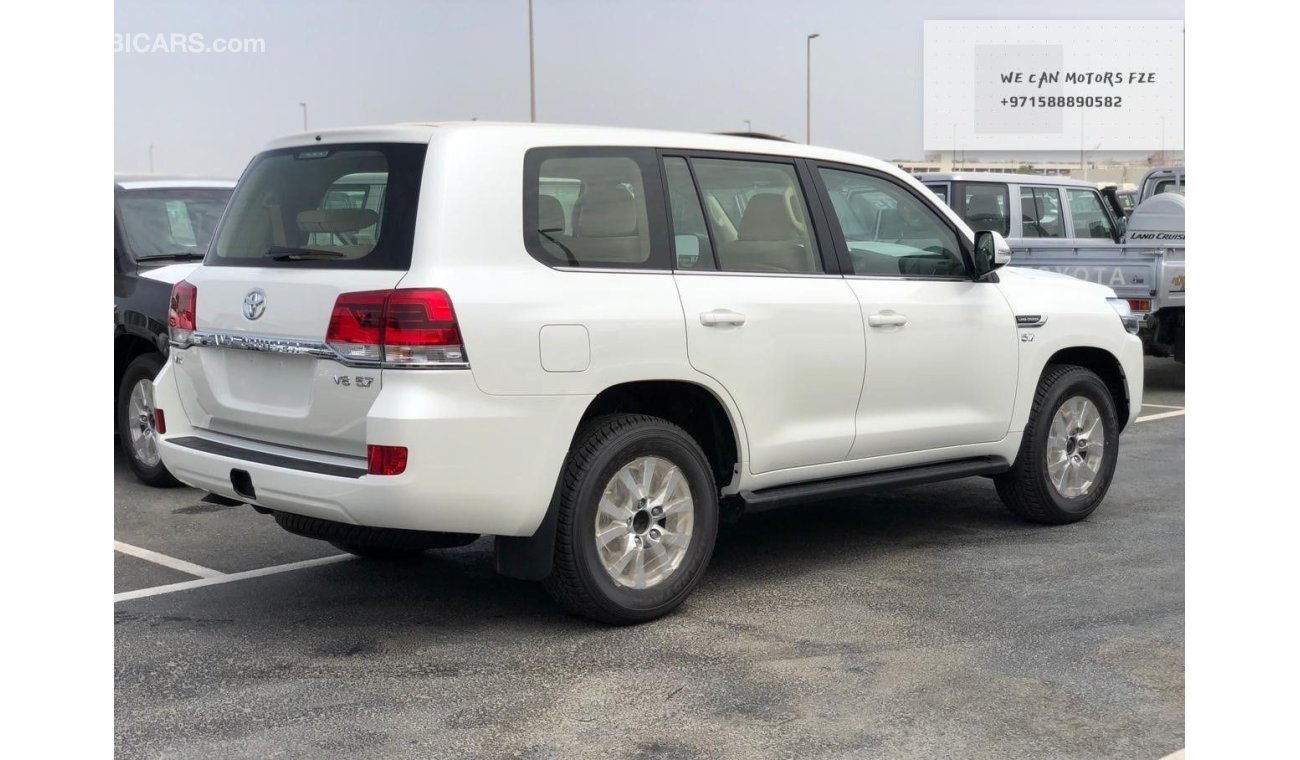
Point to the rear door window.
(1040, 212)
(344, 206)
(757, 216)
(1088, 216)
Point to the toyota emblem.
(254, 303)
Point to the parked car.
(1169, 179)
(589, 343)
(1064, 225)
(161, 229)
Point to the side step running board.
(780, 496)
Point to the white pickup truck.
(1064, 225)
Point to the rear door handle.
(721, 317)
(887, 319)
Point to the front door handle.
(887, 319)
(721, 317)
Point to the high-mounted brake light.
(385, 460)
(180, 313)
(410, 327)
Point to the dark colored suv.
(161, 229)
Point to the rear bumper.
(477, 463)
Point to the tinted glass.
(169, 221)
(1088, 216)
(888, 230)
(987, 207)
(591, 211)
(691, 247)
(758, 217)
(940, 190)
(345, 206)
(1040, 212)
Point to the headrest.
(550, 214)
(767, 217)
(337, 219)
(605, 212)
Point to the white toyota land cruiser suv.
(587, 342)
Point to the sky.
(666, 64)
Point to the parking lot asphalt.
(927, 622)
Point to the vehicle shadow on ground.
(458, 589)
(1164, 375)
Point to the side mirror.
(991, 252)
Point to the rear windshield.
(333, 206)
(169, 222)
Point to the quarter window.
(1040, 212)
(888, 230)
(1088, 215)
(757, 216)
(589, 207)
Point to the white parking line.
(227, 577)
(165, 561)
(1163, 406)
(1161, 416)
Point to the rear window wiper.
(284, 253)
(173, 256)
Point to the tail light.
(180, 312)
(385, 460)
(1139, 304)
(412, 327)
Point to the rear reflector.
(159, 421)
(412, 327)
(385, 460)
(181, 312)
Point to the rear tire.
(135, 422)
(637, 516)
(1059, 475)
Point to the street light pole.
(532, 75)
(808, 90)
(151, 158)
(748, 126)
(304, 116)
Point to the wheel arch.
(1106, 366)
(127, 347)
(694, 407)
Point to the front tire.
(135, 422)
(637, 516)
(1068, 453)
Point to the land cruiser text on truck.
(589, 343)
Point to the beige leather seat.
(550, 214)
(769, 239)
(608, 227)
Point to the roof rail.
(755, 135)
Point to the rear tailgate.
(305, 225)
(264, 379)
(1130, 271)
